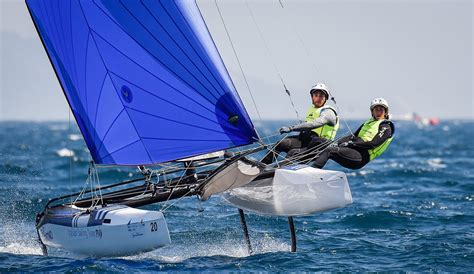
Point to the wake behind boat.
(148, 88)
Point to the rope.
(307, 52)
(97, 181)
(70, 151)
(95, 188)
(268, 51)
(223, 199)
(281, 3)
(344, 120)
(275, 153)
(303, 154)
(221, 174)
(165, 207)
(313, 65)
(295, 159)
(292, 104)
(238, 61)
(177, 184)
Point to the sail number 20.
(154, 226)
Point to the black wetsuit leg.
(345, 156)
(310, 150)
(317, 141)
(285, 145)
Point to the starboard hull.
(293, 191)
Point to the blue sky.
(416, 54)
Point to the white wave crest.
(436, 163)
(64, 152)
(22, 249)
(19, 238)
(74, 137)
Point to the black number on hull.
(154, 226)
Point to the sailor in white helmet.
(370, 140)
(320, 126)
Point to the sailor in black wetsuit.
(369, 141)
(320, 126)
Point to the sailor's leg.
(268, 158)
(284, 145)
(309, 152)
(349, 158)
(317, 141)
(295, 152)
(346, 157)
(323, 158)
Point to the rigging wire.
(238, 61)
(272, 59)
(313, 65)
(281, 3)
(182, 178)
(165, 206)
(344, 120)
(200, 209)
(93, 174)
(94, 178)
(170, 167)
(97, 190)
(70, 150)
(291, 161)
(300, 157)
(81, 194)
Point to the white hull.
(130, 231)
(293, 191)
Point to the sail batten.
(183, 52)
(157, 77)
(144, 79)
(177, 67)
(178, 122)
(169, 102)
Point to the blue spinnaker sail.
(143, 78)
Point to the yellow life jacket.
(367, 133)
(326, 131)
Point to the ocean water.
(413, 210)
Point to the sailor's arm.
(345, 139)
(385, 131)
(350, 137)
(327, 117)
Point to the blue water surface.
(413, 210)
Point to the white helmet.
(322, 87)
(379, 102)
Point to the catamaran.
(148, 88)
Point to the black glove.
(285, 130)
